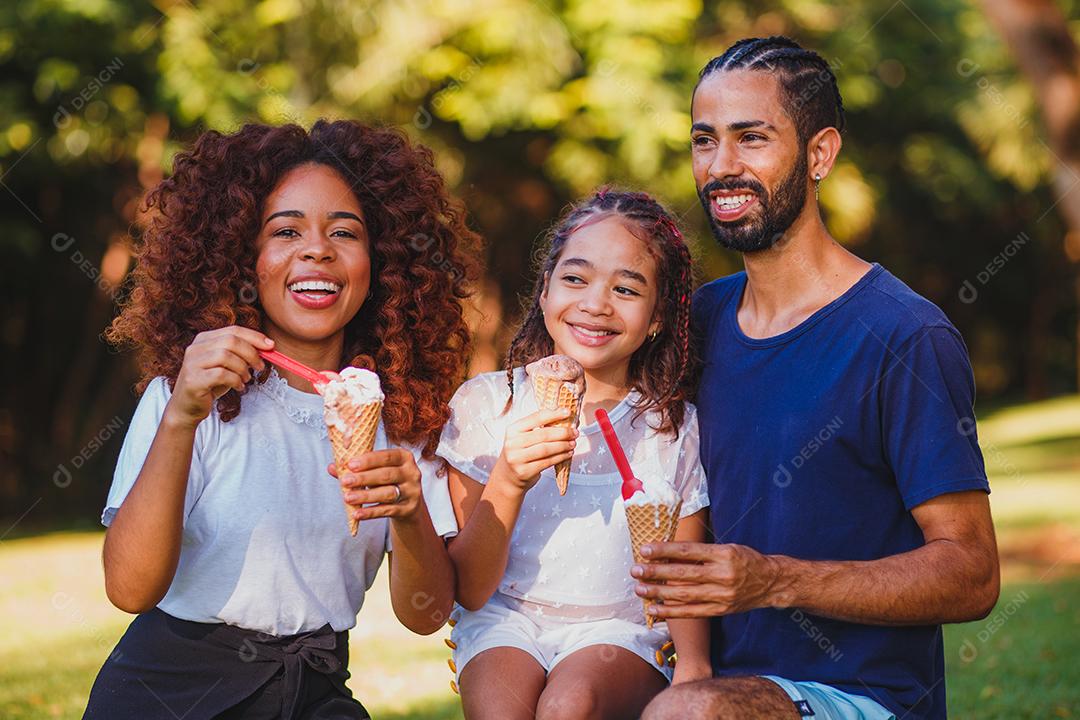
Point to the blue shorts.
(824, 702)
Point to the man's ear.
(823, 149)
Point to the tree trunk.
(1038, 36)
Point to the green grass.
(1020, 662)
(1023, 661)
(59, 627)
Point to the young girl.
(551, 626)
(225, 532)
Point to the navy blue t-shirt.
(817, 444)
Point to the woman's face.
(600, 299)
(314, 264)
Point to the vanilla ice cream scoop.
(652, 516)
(355, 387)
(656, 491)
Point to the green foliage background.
(527, 104)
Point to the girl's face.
(314, 264)
(600, 299)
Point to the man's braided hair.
(807, 83)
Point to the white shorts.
(500, 623)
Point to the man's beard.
(761, 229)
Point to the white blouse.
(266, 543)
(572, 553)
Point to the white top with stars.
(571, 554)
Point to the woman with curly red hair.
(337, 246)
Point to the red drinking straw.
(630, 484)
(285, 362)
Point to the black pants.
(168, 668)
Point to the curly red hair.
(196, 261)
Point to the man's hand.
(712, 579)
(952, 577)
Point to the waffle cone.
(363, 421)
(648, 524)
(552, 394)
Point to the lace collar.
(302, 408)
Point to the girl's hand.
(215, 362)
(530, 447)
(388, 477)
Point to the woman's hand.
(387, 477)
(215, 362)
(531, 447)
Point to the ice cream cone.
(352, 402)
(553, 393)
(648, 523)
(362, 421)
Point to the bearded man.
(848, 492)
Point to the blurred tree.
(527, 104)
(1038, 35)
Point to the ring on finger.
(397, 494)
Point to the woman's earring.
(817, 186)
(653, 336)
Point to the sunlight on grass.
(1032, 455)
(1020, 662)
(1043, 500)
(54, 596)
(1017, 663)
(1033, 422)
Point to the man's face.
(749, 166)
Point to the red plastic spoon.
(630, 484)
(285, 362)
